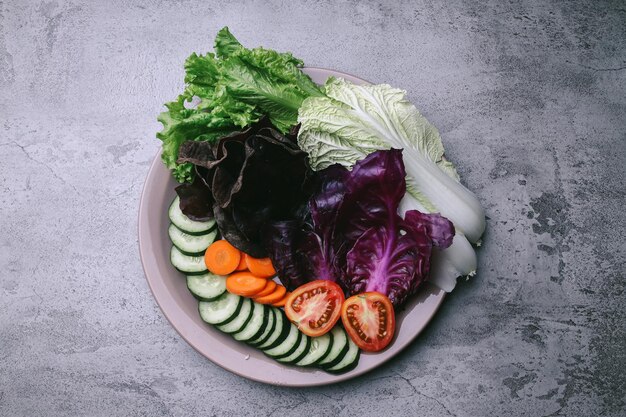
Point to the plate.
(181, 308)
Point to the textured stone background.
(530, 100)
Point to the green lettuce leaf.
(234, 87)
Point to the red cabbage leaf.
(355, 236)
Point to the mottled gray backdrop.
(530, 98)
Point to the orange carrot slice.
(274, 297)
(269, 288)
(221, 257)
(282, 301)
(261, 267)
(242, 263)
(245, 284)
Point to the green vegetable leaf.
(388, 111)
(226, 43)
(270, 81)
(234, 87)
(181, 124)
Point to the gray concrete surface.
(530, 98)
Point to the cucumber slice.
(287, 346)
(239, 322)
(190, 265)
(256, 325)
(338, 350)
(206, 287)
(349, 361)
(222, 310)
(184, 223)
(190, 244)
(300, 352)
(281, 330)
(268, 331)
(320, 347)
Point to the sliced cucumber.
(338, 350)
(184, 223)
(349, 361)
(190, 265)
(190, 244)
(281, 330)
(269, 329)
(320, 347)
(239, 322)
(222, 310)
(256, 325)
(287, 346)
(300, 352)
(206, 287)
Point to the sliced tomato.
(315, 307)
(369, 320)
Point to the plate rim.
(156, 292)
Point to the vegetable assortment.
(334, 203)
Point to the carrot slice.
(221, 257)
(274, 297)
(245, 284)
(282, 301)
(269, 288)
(242, 263)
(261, 267)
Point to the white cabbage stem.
(449, 196)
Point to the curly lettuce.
(235, 87)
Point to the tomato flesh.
(370, 320)
(315, 307)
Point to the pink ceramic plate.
(181, 308)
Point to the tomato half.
(370, 320)
(315, 307)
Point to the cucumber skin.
(194, 233)
(228, 320)
(192, 273)
(263, 324)
(245, 323)
(197, 297)
(173, 220)
(260, 342)
(283, 334)
(266, 313)
(173, 251)
(190, 253)
(339, 357)
(291, 350)
(347, 368)
(207, 300)
(302, 355)
(321, 358)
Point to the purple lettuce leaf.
(394, 259)
(390, 255)
(374, 189)
(354, 235)
(247, 181)
(196, 200)
(302, 250)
